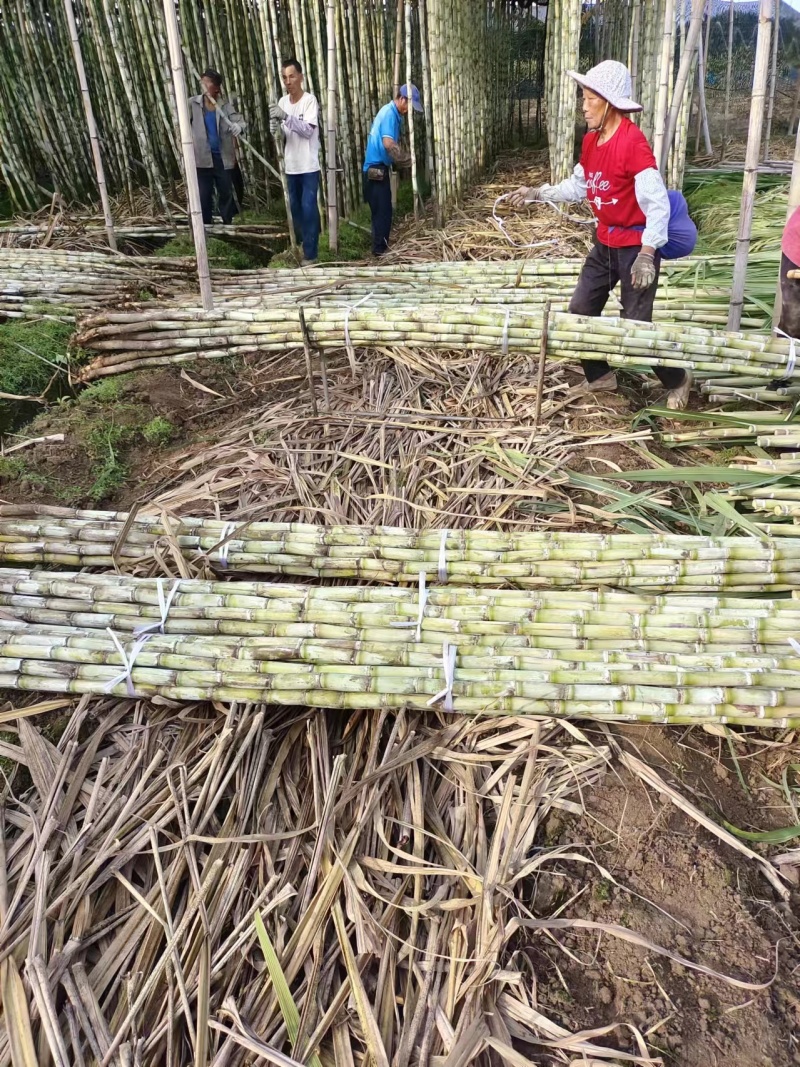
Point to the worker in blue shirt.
(383, 149)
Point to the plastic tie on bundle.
(449, 668)
(423, 600)
(504, 339)
(792, 361)
(224, 547)
(443, 557)
(164, 604)
(348, 344)
(794, 645)
(128, 661)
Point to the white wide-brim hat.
(612, 81)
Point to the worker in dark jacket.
(618, 175)
(215, 125)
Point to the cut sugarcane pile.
(125, 341)
(32, 281)
(658, 562)
(694, 290)
(604, 656)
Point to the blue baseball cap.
(416, 102)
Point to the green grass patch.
(32, 354)
(159, 431)
(220, 253)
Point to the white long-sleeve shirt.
(651, 196)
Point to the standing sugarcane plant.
(766, 17)
(91, 125)
(411, 123)
(664, 81)
(562, 45)
(333, 203)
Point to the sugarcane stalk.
(190, 166)
(333, 203)
(682, 80)
(752, 155)
(773, 79)
(662, 103)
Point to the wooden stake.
(309, 364)
(766, 16)
(91, 124)
(542, 358)
(187, 146)
(333, 203)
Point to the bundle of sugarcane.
(561, 55)
(33, 279)
(389, 554)
(675, 686)
(123, 341)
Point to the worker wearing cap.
(383, 149)
(618, 175)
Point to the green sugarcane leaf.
(291, 1016)
(724, 507)
(766, 837)
(708, 473)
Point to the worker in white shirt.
(297, 115)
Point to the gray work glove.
(274, 127)
(526, 194)
(235, 128)
(643, 271)
(276, 112)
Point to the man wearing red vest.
(618, 175)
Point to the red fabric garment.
(610, 170)
(790, 243)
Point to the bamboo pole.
(187, 144)
(91, 124)
(773, 79)
(333, 204)
(766, 15)
(728, 77)
(667, 47)
(682, 80)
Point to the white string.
(164, 604)
(794, 645)
(423, 600)
(127, 662)
(443, 557)
(224, 548)
(792, 353)
(504, 341)
(502, 228)
(348, 344)
(449, 667)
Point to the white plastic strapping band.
(794, 645)
(504, 341)
(164, 604)
(790, 365)
(443, 556)
(127, 661)
(224, 548)
(502, 228)
(423, 600)
(449, 668)
(348, 344)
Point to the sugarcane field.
(400, 533)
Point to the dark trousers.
(207, 178)
(305, 213)
(602, 269)
(790, 299)
(379, 197)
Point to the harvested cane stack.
(605, 656)
(124, 341)
(33, 281)
(654, 562)
(561, 55)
